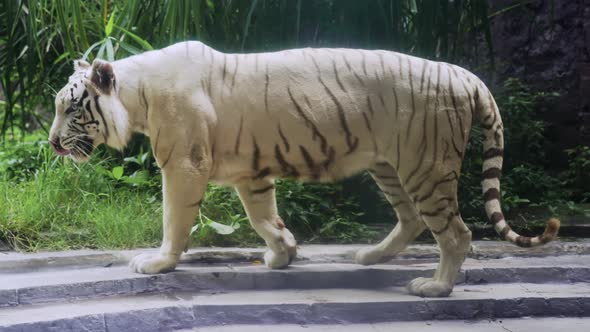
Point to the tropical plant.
(40, 38)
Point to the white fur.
(315, 114)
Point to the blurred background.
(534, 55)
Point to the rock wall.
(547, 44)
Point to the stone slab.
(169, 311)
(71, 284)
(14, 262)
(504, 325)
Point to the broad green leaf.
(117, 172)
(220, 228)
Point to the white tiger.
(311, 114)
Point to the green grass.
(65, 207)
(51, 203)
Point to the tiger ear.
(102, 76)
(80, 65)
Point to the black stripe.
(459, 153)
(266, 82)
(315, 132)
(210, 79)
(496, 217)
(285, 142)
(396, 102)
(381, 61)
(156, 143)
(331, 153)
(351, 141)
(224, 70)
(238, 138)
(169, 155)
(255, 155)
(370, 105)
(263, 173)
(426, 173)
(492, 153)
(367, 122)
(454, 100)
(492, 173)
(337, 76)
(422, 76)
(419, 164)
(346, 62)
(398, 160)
(382, 100)
(449, 219)
(364, 61)
(454, 177)
(413, 102)
(523, 241)
(309, 162)
(233, 78)
(145, 103)
(433, 213)
(287, 169)
(491, 194)
(262, 190)
(106, 126)
(504, 231)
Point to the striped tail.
(493, 148)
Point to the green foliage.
(323, 211)
(525, 182)
(40, 38)
(577, 176)
(114, 201)
(47, 202)
(20, 162)
(60, 205)
(313, 212)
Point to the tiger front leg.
(183, 188)
(258, 198)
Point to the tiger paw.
(153, 263)
(370, 256)
(429, 287)
(274, 260)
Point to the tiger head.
(88, 112)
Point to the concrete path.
(506, 325)
(212, 288)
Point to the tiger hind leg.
(437, 205)
(258, 199)
(409, 224)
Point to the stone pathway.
(505, 325)
(95, 291)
